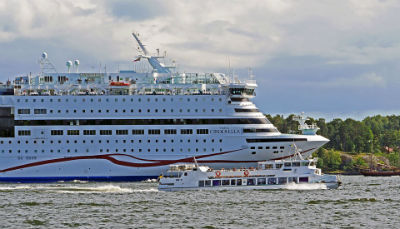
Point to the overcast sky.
(328, 58)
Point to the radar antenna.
(45, 65)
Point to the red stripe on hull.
(133, 164)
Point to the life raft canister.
(246, 173)
(218, 173)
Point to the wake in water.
(315, 186)
(64, 188)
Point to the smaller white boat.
(294, 174)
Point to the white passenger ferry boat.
(130, 125)
(278, 174)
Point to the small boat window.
(201, 183)
(288, 164)
(269, 166)
(304, 163)
(216, 182)
(292, 179)
(278, 166)
(261, 181)
(207, 183)
(296, 164)
(282, 180)
(303, 179)
(233, 182)
(225, 182)
(272, 180)
(251, 181)
(239, 181)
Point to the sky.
(327, 58)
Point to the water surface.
(362, 202)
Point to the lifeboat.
(120, 84)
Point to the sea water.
(362, 202)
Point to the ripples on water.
(361, 203)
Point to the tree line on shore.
(353, 144)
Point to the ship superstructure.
(130, 126)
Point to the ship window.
(186, 131)
(274, 147)
(278, 166)
(140, 110)
(269, 166)
(272, 180)
(253, 147)
(57, 132)
(83, 111)
(105, 132)
(24, 111)
(239, 182)
(303, 179)
(202, 131)
(123, 111)
(72, 132)
(122, 132)
(261, 181)
(288, 164)
(296, 164)
(292, 179)
(201, 183)
(225, 182)
(24, 132)
(137, 132)
(131, 110)
(253, 152)
(89, 132)
(251, 181)
(282, 180)
(267, 147)
(233, 182)
(154, 131)
(260, 147)
(170, 131)
(40, 111)
(282, 147)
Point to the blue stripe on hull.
(68, 179)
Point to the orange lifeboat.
(119, 84)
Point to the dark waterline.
(362, 202)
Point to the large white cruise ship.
(129, 126)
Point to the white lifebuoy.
(246, 173)
(218, 173)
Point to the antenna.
(68, 64)
(45, 65)
(76, 64)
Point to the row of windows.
(256, 140)
(256, 130)
(246, 110)
(120, 132)
(228, 121)
(116, 150)
(44, 111)
(117, 100)
(267, 147)
(116, 141)
(24, 132)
